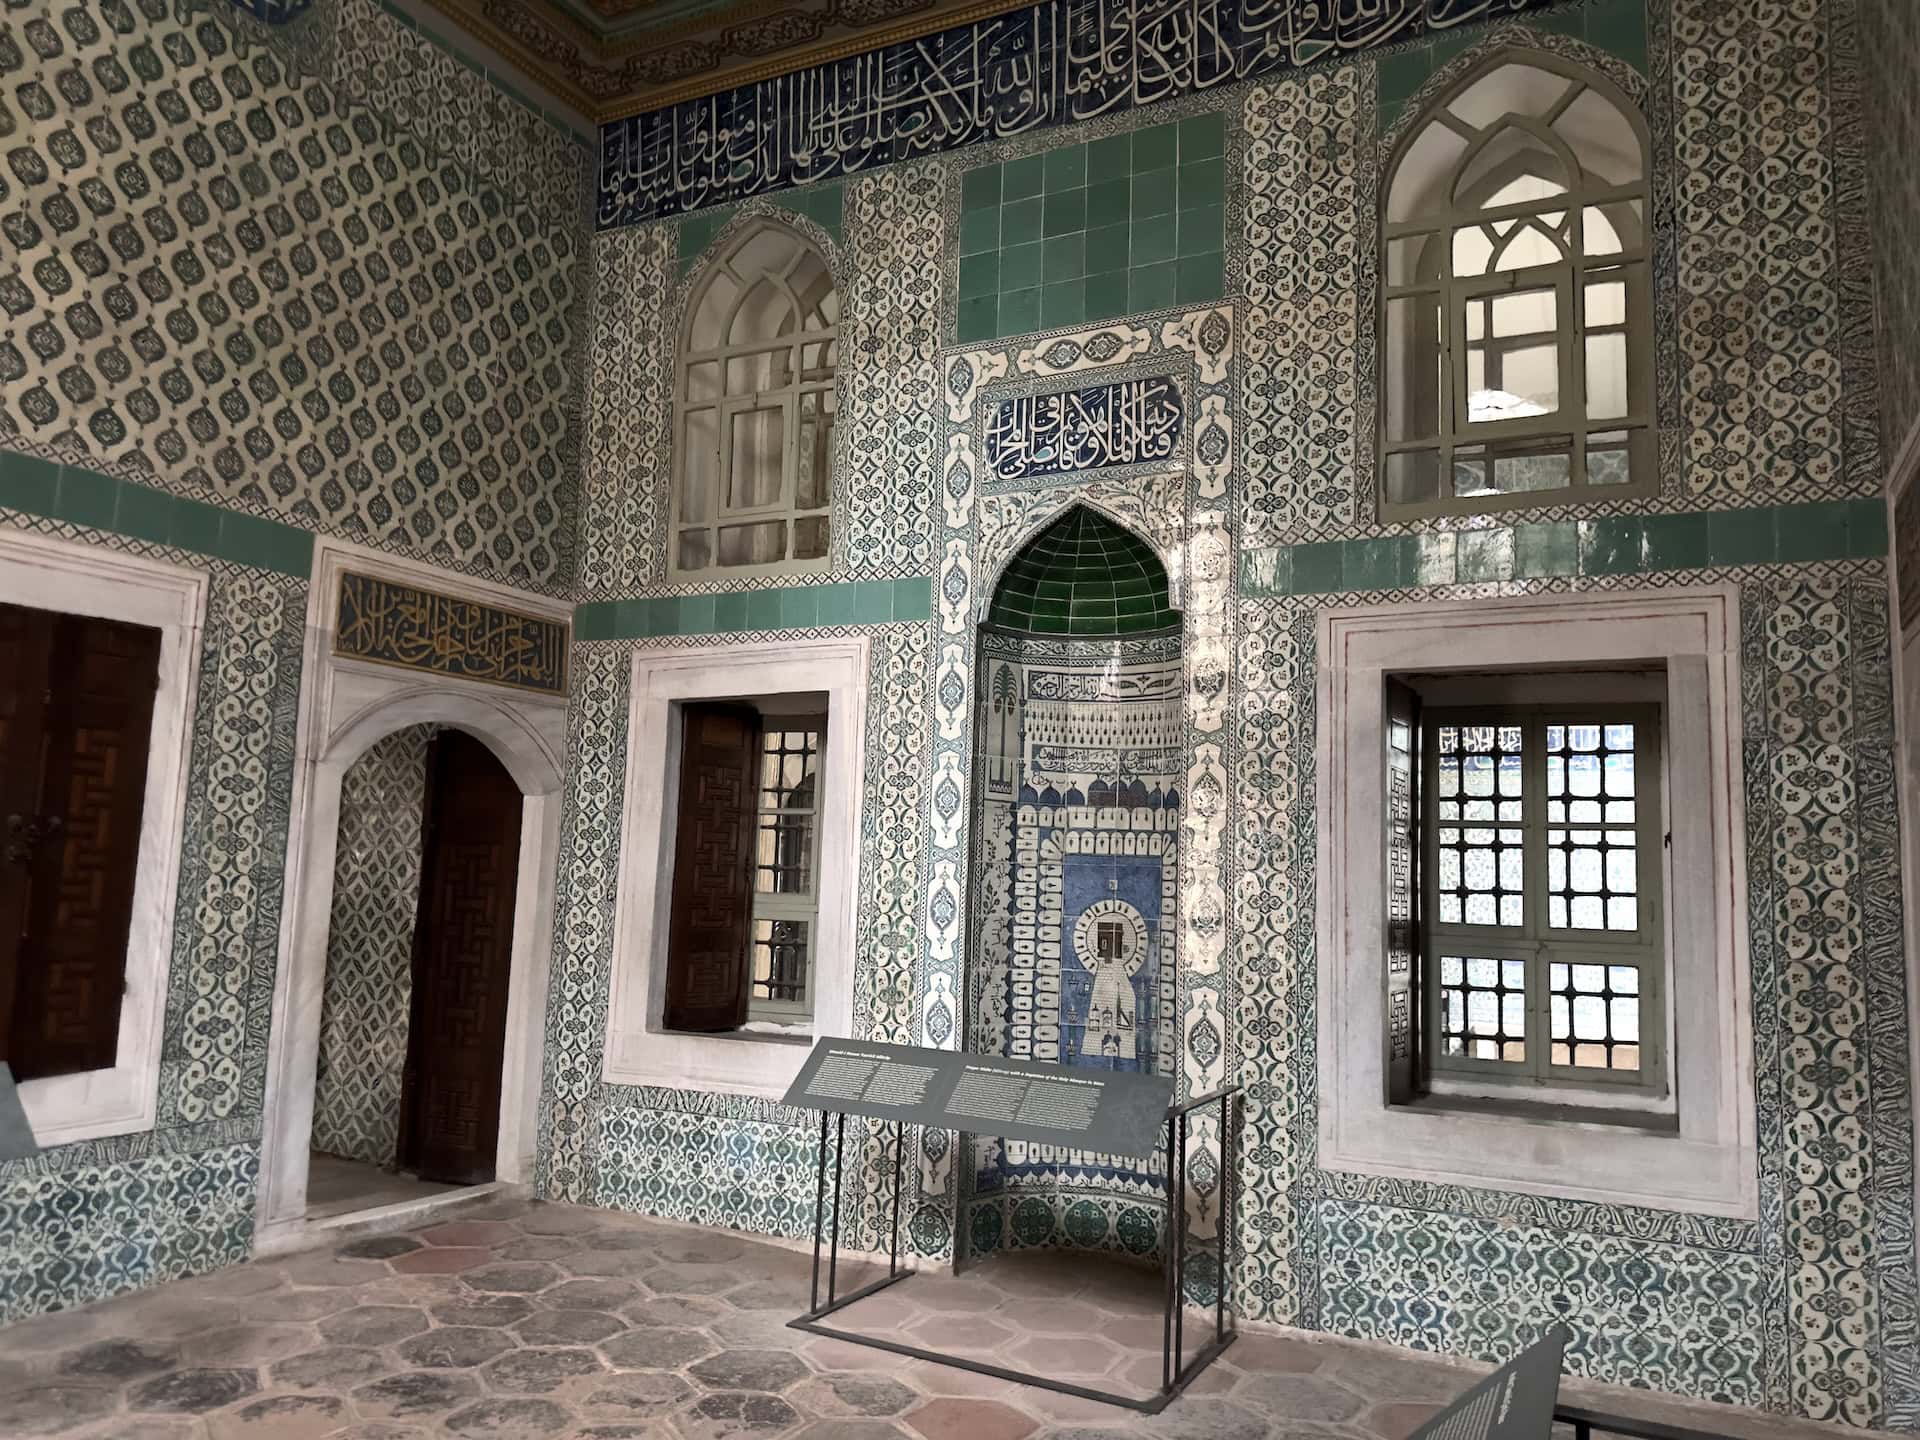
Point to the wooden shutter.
(1403, 890)
(711, 932)
(70, 967)
(26, 639)
(462, 964)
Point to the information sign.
(1111, 1112)
(1514, 1403)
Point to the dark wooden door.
(462, 959)
(711, 931)
(76, 719)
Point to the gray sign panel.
(1514, 1403)
(1114, 1112)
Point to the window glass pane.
(1593, 1016)
(696, 549)
(1510, 149)
(813, 450)
(700, 464)
(1412, 258)
(1483, 1008)
(1606, 376)
(1472, 251)
(1421, 176)
(759, 372)
(1607, 301)
(1413, 368)
(1609, 458)
(1480, 868)
(1413, 476)
(1514, 337)
(760, 544)
(753, 462)
(1603, 139)
(1592, 868)
(780, 960)
(1513, 467)
(810, 538)
(703, 381)
(1515, 89)
(1530, 245)
(710, 318)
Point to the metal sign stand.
(1177, 1370)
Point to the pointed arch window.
(755, 410)
(1516, 309)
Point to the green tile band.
(1084, 233)
(125, 507)
(1613, 545)
(781, 607)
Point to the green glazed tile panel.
(1084, 575)
(1615, 545)
(1618, 27)
(123, 507)
(825, 205)
(1092, 232)
(786, 607)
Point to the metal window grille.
(1542, 895)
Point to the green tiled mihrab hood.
(1084, 575)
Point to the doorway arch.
(349, 706)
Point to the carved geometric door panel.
(462, 961)
(711, 925)
(76, 714)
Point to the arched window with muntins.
(754, 484)
(1516, 320)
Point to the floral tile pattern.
(369, 984)
(316, 318)
(99, 1216)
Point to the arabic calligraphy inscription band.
(417, 629)
(1136, 422)
(1053, 63)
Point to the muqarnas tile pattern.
(368, 989)
(1090, 232)
(250, 291)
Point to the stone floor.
(523, 1321)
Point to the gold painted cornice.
(639, 101)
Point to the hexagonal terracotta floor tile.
(451, 1260)
(958, 1419)
(470, 1232)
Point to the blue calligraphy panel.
(1053, 63)
(1135, 422)
(416, 629)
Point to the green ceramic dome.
(1084, 575)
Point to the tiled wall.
(238, 307)
(236, 284)
(1095, 231)
(1770, 474)
(369, 982)
(88, 1220)
(1890, 45)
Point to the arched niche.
(1077, 778)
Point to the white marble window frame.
(44, 573)
(640, 1050)
(1709, 1165)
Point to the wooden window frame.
(640, 1050)
(1703, 1159)
(49, 574)
(1534, 942)
(793, 1014)
(786, 398)
(1436, 283)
